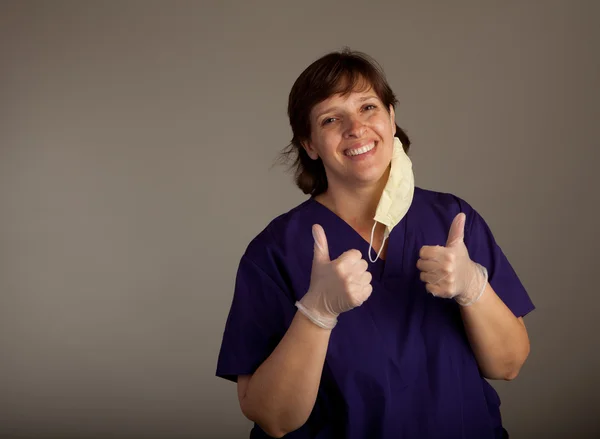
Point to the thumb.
(321, 246)
(456, 234)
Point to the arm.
(282, 392)
(499, 339)
(280, 395)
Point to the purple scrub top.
(400, 365)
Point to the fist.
(448, 271)
(335, 286)
(344, 283)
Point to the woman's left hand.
(448, 271)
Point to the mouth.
(353, 152)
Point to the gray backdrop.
(136, 147)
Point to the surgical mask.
(396, 197)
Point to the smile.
(362, 150)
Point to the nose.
(354, 127)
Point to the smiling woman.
(324, 344)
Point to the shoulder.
(281, 234)
(432, 213)
(440, 202)
(433, 207)
(435, 210)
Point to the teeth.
(361, 150)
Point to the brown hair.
(335, 73)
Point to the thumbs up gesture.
(448, 271)
(335, 286)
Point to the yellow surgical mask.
(396, 197)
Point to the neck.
(356, 205)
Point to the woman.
(374, 309)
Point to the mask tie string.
(385, 236)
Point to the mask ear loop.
(385, 236)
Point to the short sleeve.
(259, 316)
(484, 250)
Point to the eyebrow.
(364, 98)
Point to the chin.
(372, 176)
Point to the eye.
(328, 120)
(369, 107)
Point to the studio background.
(137, 143)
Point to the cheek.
(384, 128)
(381, 121)
(328, 140)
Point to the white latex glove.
(448, 271)
(335, 286)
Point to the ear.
(393, 120)
(310, 150)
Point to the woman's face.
(353, 135)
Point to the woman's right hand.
(335, 286)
